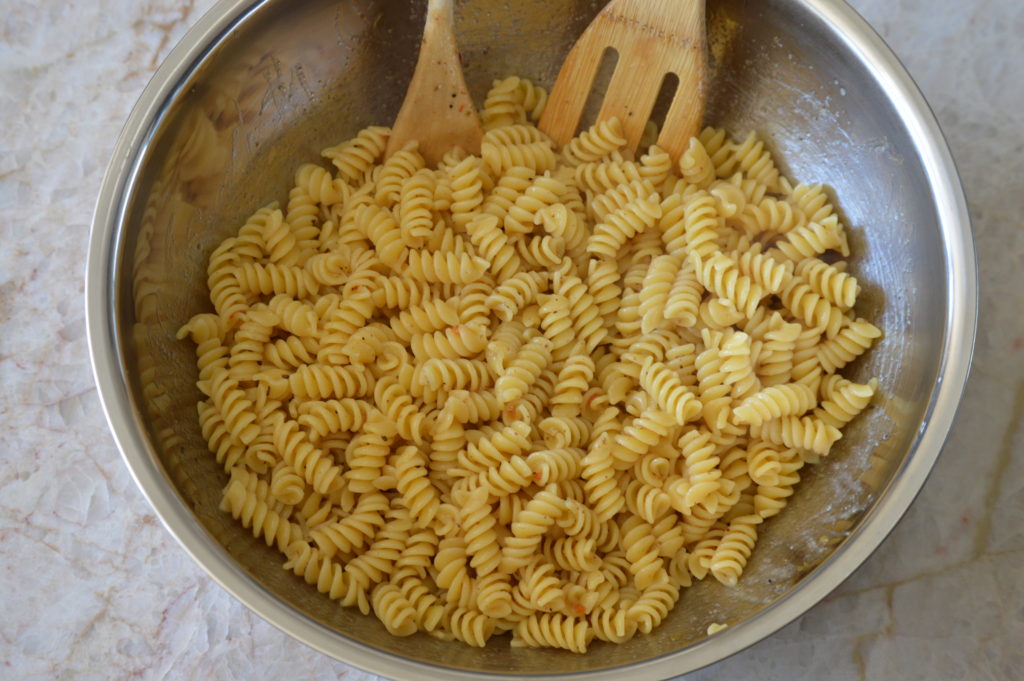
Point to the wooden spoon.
(437, 111)
(653, 38)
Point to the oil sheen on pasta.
(535, 392)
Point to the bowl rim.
(876, 524)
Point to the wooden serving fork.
(652, 38)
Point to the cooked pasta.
(511, 101)
(507, 147)
(596, 143)
(530, 393)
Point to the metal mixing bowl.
(256, 88)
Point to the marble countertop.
(95, 588)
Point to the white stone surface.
(92, 585)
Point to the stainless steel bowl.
(256, 88)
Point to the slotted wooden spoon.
(652, 38)
(437, 111)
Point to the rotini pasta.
(354, 158)
(596, 143)
(440, 267)
(524, 370)
(791, 399)
(530, 393)
(513, 146)
(721, 275)
(416, 207)
(665, 387)
(247, 499)
(511, 102)
(852, 340)
(657, 284)
(843, 400)
(492, 243)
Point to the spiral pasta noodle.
(721, 275)
(619, 197)
(603, 282)
(531, 394)
(354, 531)
(402, 165)
(234, 408)
(416, 207)
(460, 340)
(653, 605)
(696, 166)
(852, 340)
(610, 235)
(512, 295)
(322, 418)
(393, 609)
(657, 284)
(600, 176)
(394, 401)
(440, 267)
(587, 323)
(771, 497)
(295, 449)
(303, 219)
(512, 101)
(528, 527)
(636, 439)
(542, 192)
(573, 380)
(668, 390)
(513, 146)
(494, 447)
(811, 200)
(809, 241)
(524, 370)
(791, 399)
(318, 382)
(553, 630)
(555, 465)
(698, 230)
(753, 161)
(247, 499)
(399, 292)
(508, 188)
(770, 215)
(684, 297)
(354, 158)
(273, 279)
(542, 250)
(600, 140)
(843, 400)
(806, 433)
(734, 549)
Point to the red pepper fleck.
(536, 476)
(579, 609)
(456, 330)
(462, 107)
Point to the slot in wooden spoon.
(437, 111)
(653, 38)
